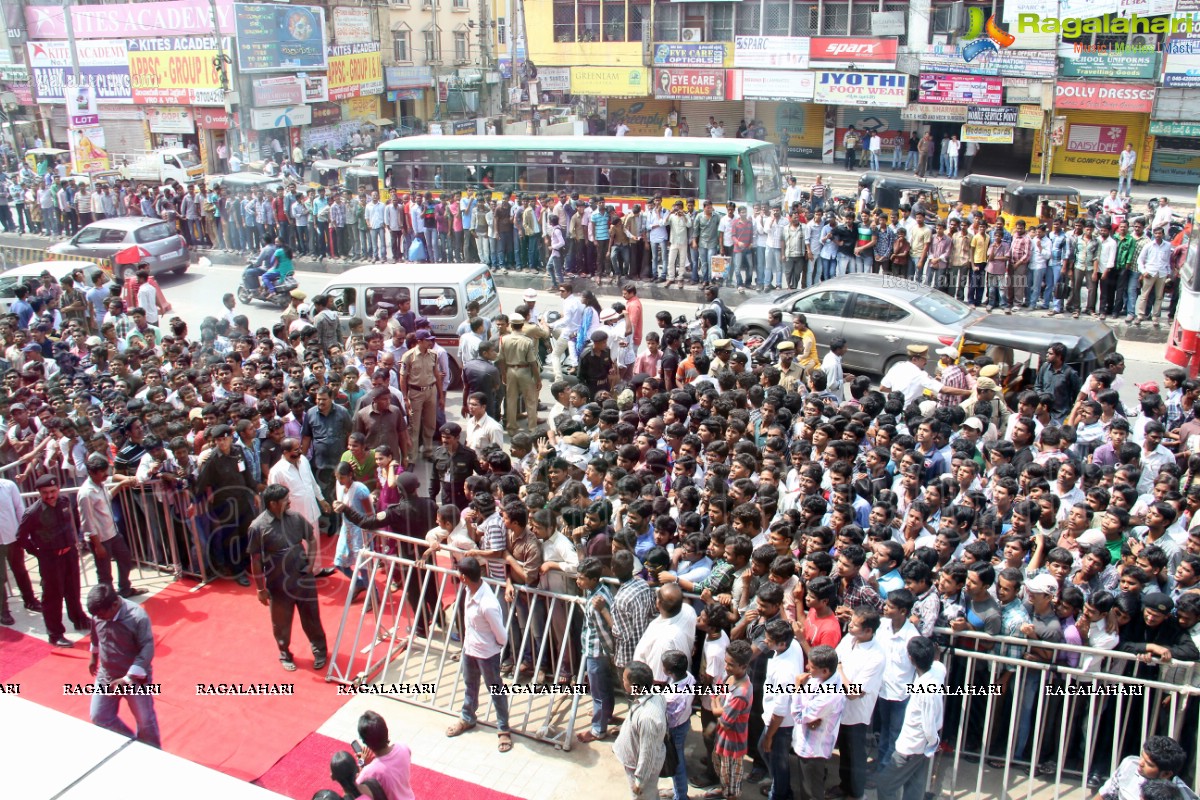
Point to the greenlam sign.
(1080, 61)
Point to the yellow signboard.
(1029, 116)
(174, 77)
(987, 134)
(355, 70)
(88, 154)
(363, 107)
(610, 81)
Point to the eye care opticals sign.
(884, 89)
(689, 84)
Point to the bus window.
(621, 180)
(456, 176)
(685, 181)
(537, 179)
(654, 181)
(716, 186)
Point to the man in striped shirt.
(632, 608)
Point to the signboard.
(1106, 139)
(1182, 62)
(684, 54)
(993, 116)
(278, 92)
(88, 153)
(277, 38)
(1138, 98)
(352, 25)
(1035, 64)
(1024, 95)
(362, 107)
(213, 119)
(81, 107)
(1058, 131)
(354, 70)
(179, 70)
(887, 23)
(987, 134)
(104, 65)
(927, 112)
(555, 79)
(409, 77)
(316, 88)
(1140, 64)
(129, 19)
(772, 52)
(326, 114)
(610, 81)
(884, 89)
(1175, 166)
(1189, 129)
(689, 84)
(1029, 116)
(844, 53)
(265, 119)
(170, 119)
(767, 84)
(960, 89)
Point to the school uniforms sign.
(880, 89)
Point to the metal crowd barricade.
(406, 597)
(1086, 723)
(159, 526)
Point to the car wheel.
(756, 330)
(456, 376)
(179, 270)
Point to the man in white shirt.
(1125, 164)
(910, 377)
(783, 667)
(622, 128)
(481, 430)
(831, 365)
(566, 328)
(1163, 214)
(295, 473)
(861, 664)
(793, 195)
(1154, 268)
(483, 641)
(895, 632)
(673, 629)
(952, 148)
(904, 775)
(99, 528)
(873, 147)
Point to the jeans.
(875, 160)
(554, 267)
(975, 286)
(891, 719)
(117, 550)
(704, 261)
(852, 759)
(899, 158)
(658, 252)
(760, 265)
(952, 163)
(679, 779)
(843, 264)
(828, 268)
(742, 273)
(489, 668)
(619, 253)
(377, 242)
(1033, 291)
(1131, 291)
(944, 163)
(600, 684)
(104, 712)
(774, 268)
(862, 263)
(911, 161)
(484, 245)
(995, 289)
(1125, 178)
(903, 777)
(779, 765)
(1052, 278)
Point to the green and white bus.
(623, 169)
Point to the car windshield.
(188, 160)
(942, 308)
(153, 233)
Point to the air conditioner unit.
(691, 35)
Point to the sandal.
(459, 728)
(505, 742)
(587, 737)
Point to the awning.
(379, 121)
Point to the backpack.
(728, 318)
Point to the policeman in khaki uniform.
(521, 375)
(421, 383)
(791, 374)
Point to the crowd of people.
(745, 520)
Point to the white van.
(439, 293)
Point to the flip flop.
(587, 737)
(459, 728)
(506, 743)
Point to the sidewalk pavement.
(1182, 196)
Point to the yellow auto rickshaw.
(1039, 204)
(982, 193)
(890, 193)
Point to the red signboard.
(845, 52)
(213, 119)
(689, 84)
(1136, 97)
(960, 90)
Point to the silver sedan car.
(166, 249)
(877, 316)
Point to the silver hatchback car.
(167, 250)
(878, 317)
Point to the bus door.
(716, 181)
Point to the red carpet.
(18, 651)
(220, 634)
(305, 771)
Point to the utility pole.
(485, 57)
(75, 75)
(223, 63)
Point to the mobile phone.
(357, 748)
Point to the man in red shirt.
(820, 625)
(633, 312)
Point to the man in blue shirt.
(21, 307)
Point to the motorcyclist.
(281, 270)
(252, 277)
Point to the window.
(402, 45)
(877, 310)
(564, 21)
(462, 46)
(117, 236)
(749, 17)
(639, 19)
(89, 235)
(614, 22)
(666, 22)
(437, 301)
(433, 45)
(804, 20)
(860, 17)
(827, 304)
(460, 5)
(837, 19)
(716, 187)
(942, 307)
(151, 233)
(720, 23)
(767, 185)
(342, 300)
(392, 295)
(589, 21)
(481, 288)
(775, 15)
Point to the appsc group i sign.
(882, 89)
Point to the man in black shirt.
(845, 237)
(282, 560)
(596, 364)
(481, 375)
(231, 503)
(453, 463)
(49, 530)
